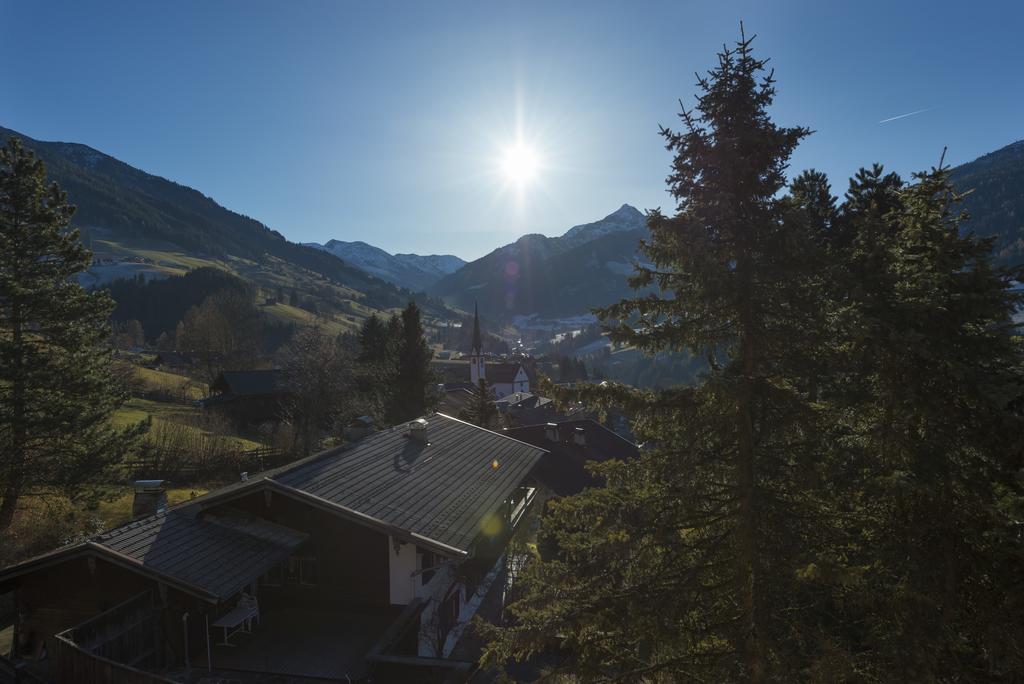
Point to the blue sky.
(386, 121)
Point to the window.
(426, 560)
(303, 570)
(448, 612)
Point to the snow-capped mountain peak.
(411, 271)
(625, 218)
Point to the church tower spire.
(477, 367)
(478, 346)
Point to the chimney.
(418, 430)
(359, 427)
(551, 432)
(579, 437)
(150, 498)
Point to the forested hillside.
(995, 202)
(123, 211)
(552, 276)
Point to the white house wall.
(401, 566)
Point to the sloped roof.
(212, 555)
(523, 400)
(502, 372)
(562, 467)
(453, 401)
(442, 490)
(219, 552)
(251, 383)
(439, 493)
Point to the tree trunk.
(15, 471)
(12, 492)
(752, 647)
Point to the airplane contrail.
(904, 116)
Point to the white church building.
(504, 378)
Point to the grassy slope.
(137, 410)
(153, 379)
(270, 277)
(118, 510)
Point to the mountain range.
(994, 184)
(551, 276)
(132, 218)
(128, 215)
(411, 271)
(587, 266)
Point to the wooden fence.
(158, 466)
(114, 645)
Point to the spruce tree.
(57, 391)
(373, 341)
(413, 377)
(482, 410)
(686, 564)
(923, 410)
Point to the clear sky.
(388, 122)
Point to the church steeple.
(477, 366)
(478, 346)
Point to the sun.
(519, 164)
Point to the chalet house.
(507, 378)
(254, 396)
(524, 408)
(361, 562)
(569, 445)
(457, 399)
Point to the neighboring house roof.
(251, 383)
(212, 555)
(440, 491)
(562, 467)
(502, 372)
(219, 552)
(454, 401)
(522, 400)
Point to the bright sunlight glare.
(520, 164)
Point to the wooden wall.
(53, 599)
(352, 559)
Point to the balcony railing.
(519, 507)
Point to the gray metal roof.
(218, 553)
(562, 468)
(502, 372)
(440, 493)
(443, 490)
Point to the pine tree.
(319, 368)
(373, 341)
(923, 398)
(686, 564)
(482, 410)
(412, 397)
(55, 364)
(376, 366)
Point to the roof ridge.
(466, 422)
(579, 420)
